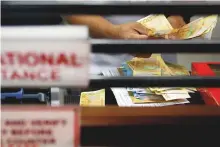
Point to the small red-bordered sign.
(39, 126)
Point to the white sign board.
(45, 56)
(39, 127)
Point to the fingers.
(173, 36)
(141, 29)
(136, 36)
(176, 21)
(140, 36)
(152, 37)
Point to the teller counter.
(176, 125)
(193, 124)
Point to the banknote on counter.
(154, 66)
(139, 66)
(143, 95)
(124, 99)
(175, 94)
(177, 70)
(93, 98)
(160, 90)
(140, 90)
(148, 98)
(167, 69)
(159, 26)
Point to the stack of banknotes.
(151, 96)
(155, 66)
(139, 97)
(159, 26)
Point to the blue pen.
(17, 95)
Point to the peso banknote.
(146, 98)
(175, 96)
(197, 28)
(144, 67)
(156, 66)
(177, 70)
(93, 98)
(159, 26)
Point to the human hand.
(131, 31)
(177, 22)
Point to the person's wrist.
(113, 31)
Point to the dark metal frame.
(180, 81)
(155, 46)
(111, 7)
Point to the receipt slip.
(45, 56)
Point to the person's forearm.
(98, 26)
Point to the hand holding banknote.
(174, 28)
(176, 21)
(132, 30)
(135, 30)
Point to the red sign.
(40, 126)
(33, 59)
(45, 56)
(211, 96)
